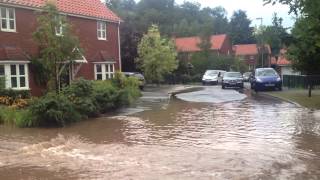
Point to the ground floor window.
(104, 71)
(15, 76)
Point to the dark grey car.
(232, 79)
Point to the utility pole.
(262, 43)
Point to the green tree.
(275, 35)
(157, 56)
(56, 51)
(240, 30)
(304, 51)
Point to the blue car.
(264, 79)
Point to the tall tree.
(275, 35)
(240, 30)
(56, 50)
(304, 51)
(157, 56)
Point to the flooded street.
(208, 134)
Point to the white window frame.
(107, 71)
(8, 76)
(102, 30)
(59, 29)
(8, 19)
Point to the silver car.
(212, 77)
(232, 79)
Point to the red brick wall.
(226, 47)
(85, 29)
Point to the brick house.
(283, 65)
(252, 53)
(186, 46)
(93, 23)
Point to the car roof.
(215, 71)
(259, 69)
(232, 72)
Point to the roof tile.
(190, 44)
(91, 8)
(245, 49)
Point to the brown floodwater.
(252, 138)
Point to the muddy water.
(251, 138)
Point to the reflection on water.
(249, 139)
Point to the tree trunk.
(57, 84)
(310, 89)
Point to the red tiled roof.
(190, 44)
(282, 60)
(245, 49)
(91, 8)
(11, 53)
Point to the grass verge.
(300, 97)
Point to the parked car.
(246, 76)
(212, 77)
(265, 78)
(137, 75)
(232, 79)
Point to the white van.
(212, 77)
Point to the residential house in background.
(283, 65)
(186, 46)
(252, 55)
(96, 26)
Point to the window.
(1, 71)
(2, 80)
(59, 28)
(8, 19)
(102, 30)
(104, 71)
(18, 76)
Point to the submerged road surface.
(210, 134)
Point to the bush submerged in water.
(80, 100)
(53, 110)
(106, 95)
(80, 93)
(19, 117)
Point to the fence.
(301, 81)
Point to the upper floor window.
(8, 19)
(102, 30)
(59, 27)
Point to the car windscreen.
(233, 75)
(266, 72)
(211, 73)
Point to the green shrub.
(15, 94)
(80, 93)
(53, 110)
(20, 118)
(130, 91)
(105, 95)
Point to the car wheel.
(223, 87)
(280, 88)
(203, 83)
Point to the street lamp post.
(262, 46)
